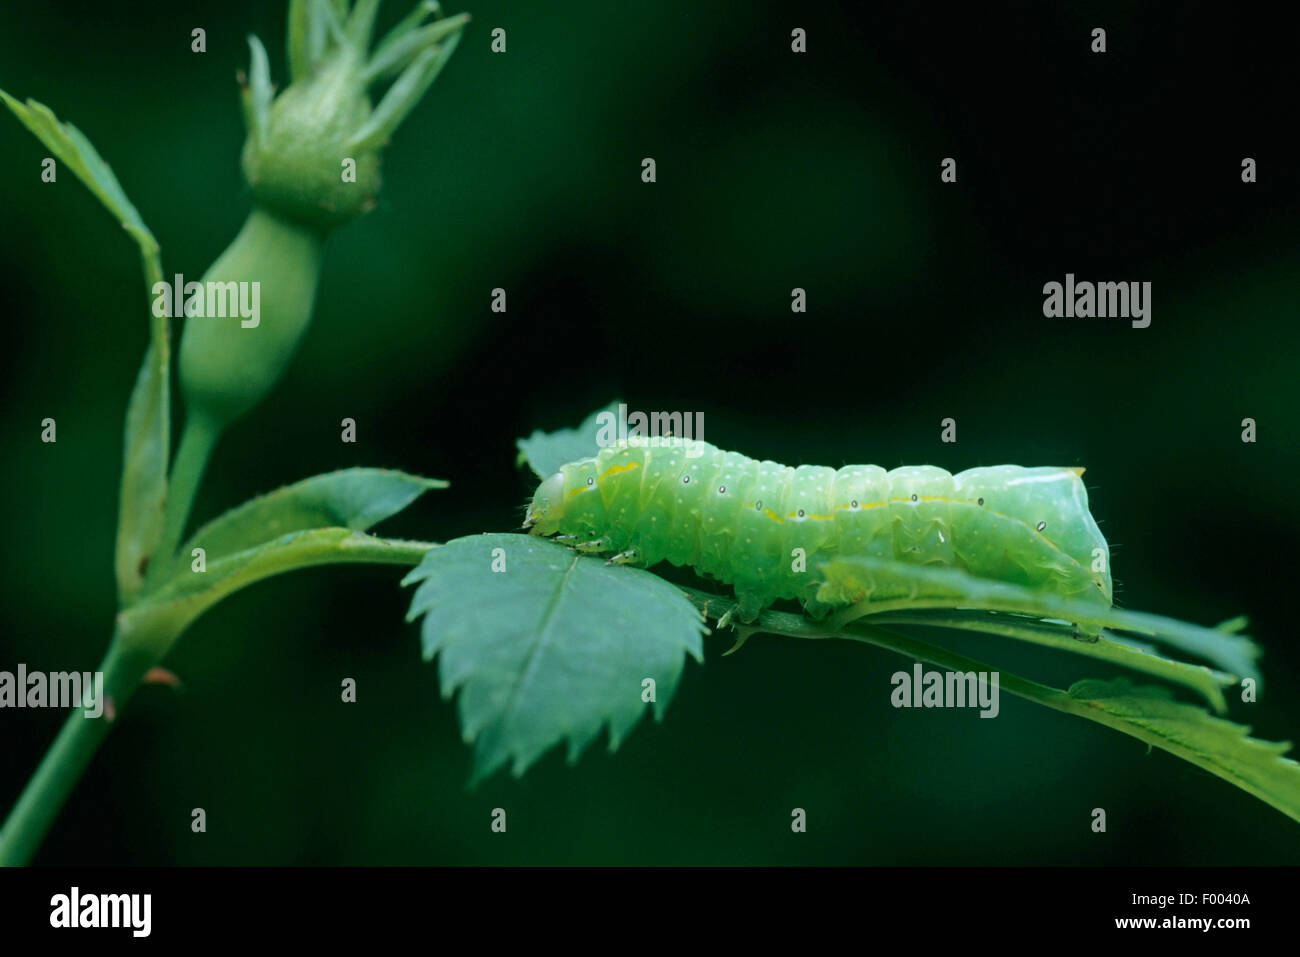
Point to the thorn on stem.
(161, 676)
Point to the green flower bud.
(312, 162)
(301, 164)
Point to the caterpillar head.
(547, 507)
(568, 502)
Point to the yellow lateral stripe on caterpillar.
(619, 469)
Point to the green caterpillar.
(766, 528)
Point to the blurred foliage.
(521, 171)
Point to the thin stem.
(197, 442)
(143, 637)
(124, 665)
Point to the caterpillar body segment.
(766, 528)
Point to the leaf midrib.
(543, 636)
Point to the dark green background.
(774, 171)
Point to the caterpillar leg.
(593, 547)
(817, 610)
(747, 607)
(1081, 634)
(623, 558)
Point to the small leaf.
(186, 596)
(1149, 714)
(1220, 747)
(1060, 635)
(146, 438)
(882, 586)
(74, 151)
(549, 648)
(145, 443)
(545, 452)
(356, 498)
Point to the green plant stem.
(197, 441)
(144, 635)
(129, 657)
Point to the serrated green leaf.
(545, 452)
(551, 648)
(1149, 714)
(356, 498)
(1221, 747)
